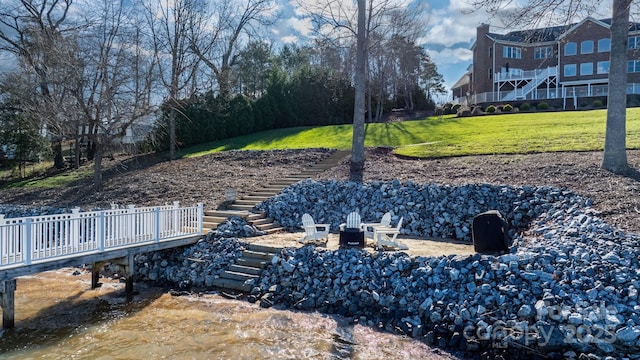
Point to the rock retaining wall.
(567, 289)
(428, 210)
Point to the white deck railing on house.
(38, 239)
(525, 75)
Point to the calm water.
(59, 317)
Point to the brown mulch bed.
(142, 181)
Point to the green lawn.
(431, 137)
(54, 181)
(450, 136)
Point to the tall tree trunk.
(172, 131)
(357, 146)
(97, 166)
(615, 154)
(369, 105)
(78, 139)
(56, 147)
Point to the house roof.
(552, 33)
(464, 80)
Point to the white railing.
(525, 75)
(37, 239)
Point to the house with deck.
(563, 65)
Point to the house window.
(570, 70)
(512, 52)
(490, 73)
(543, 52)
(634, 42)
(586, 69)
(570, 48)
(491, 52)
(603, 67)
(586, 47)
(604, 45)
(633, 66)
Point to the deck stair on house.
(535, 78)
(244, 207)
(243, 275)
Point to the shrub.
(490, 109)
(507, 108)
(455, 108)
(463, 111)
(447, 108)
(597, 104)
(439, 111)
(525, 107)
(476, 110)
(543, 106)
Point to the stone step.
(283, 182)
(274, 230)
(227, 213)
(232, 284)
(273, 188)
(267, 193)
(302, 176)
(240, 207)
(214, 219)
(258, 198)
(262, 221)
(251, 202)
(256, 216)
(208, 225)
(268, 226)
(251, 254)
(238, 276)
(255, 263)
(264, 248)
(245, 269)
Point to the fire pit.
(352, 238)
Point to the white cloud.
(302, 26)
(450, 31)
(290, 39)
(451, 55)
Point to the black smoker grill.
(490, 233)
(352, 238)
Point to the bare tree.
(357, 146)
(114, 81)
(615, 149)
(564, 11)
(170, 23)
(33, 31)
(216, 33)
(340, 22)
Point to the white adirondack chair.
(387, 238)
(314, 233)
(384, 223)
(353, 222)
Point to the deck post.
(8, 288)
(176, 224)
(129, 270)
(95, 274)
(127, 265)
(200, 217)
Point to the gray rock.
(628, 334)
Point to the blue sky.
(447, 37)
